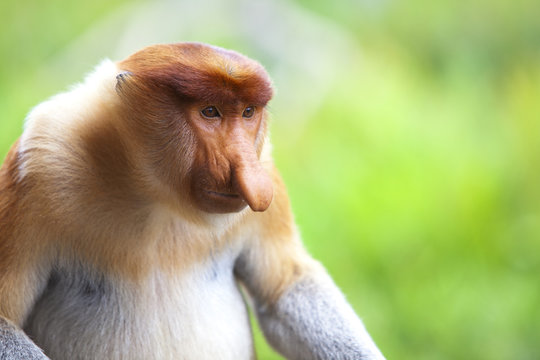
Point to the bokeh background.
(407, 132)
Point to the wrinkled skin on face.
(227, 173)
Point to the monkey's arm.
(301, 311)
(21, 275)
(15, 345)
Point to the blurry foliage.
(33, 32)
(417, 180)
(432, 174)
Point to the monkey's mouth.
(219, 201)
(223, 195)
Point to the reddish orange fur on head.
(214, 160)
(199, 72)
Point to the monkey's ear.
(121, 79)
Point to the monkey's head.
(197, 114)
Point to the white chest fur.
(199, 314)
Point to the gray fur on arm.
(312, 320)
(15, 345)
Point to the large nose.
(249, 178)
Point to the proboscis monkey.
(133, 207)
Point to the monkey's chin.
(219, 203)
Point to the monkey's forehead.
(200, 72)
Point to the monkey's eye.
(210, 112)
(248, 112)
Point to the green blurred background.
(407, 132)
